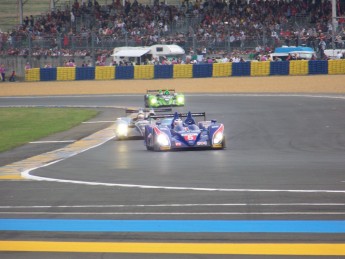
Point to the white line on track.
(173, 205)
(27, 175)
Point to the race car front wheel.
(155, 144)
(146, 101)
(223, 143)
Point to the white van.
(333, 53)
(301, 52)
(139, 55)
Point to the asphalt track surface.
(284, 163)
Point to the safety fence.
(263, 68)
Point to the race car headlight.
(163, 140)
(218, 138)
(153, 100)
(180, 99)
(122, 130)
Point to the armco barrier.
(264, 68)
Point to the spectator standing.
(2, 72)
(339, 55)
(31, 21)
(12, 77)
(322, 45)
(27, 66)
(339, 42)
(26, 21)
(289, 57)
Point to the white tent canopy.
(131, 53)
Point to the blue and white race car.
(180, 131)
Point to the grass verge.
(22, 125)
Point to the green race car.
(161, 98)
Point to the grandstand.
(10, 11)
(209, 28)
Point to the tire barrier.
(222, 69)
(144, 72)
(85, 73)
(104, 73)
(32, 74)
(299, 67)
(336, 67)
(263, 68)
(202, 70)
(260, 68)
(241, 69)
(126, 72)
(166, 71)
(48, 74)
(183, 71)
(65, 73)
(318, 67)
(279, 68)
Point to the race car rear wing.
(157, 91)
(180, 115)
(132, 110)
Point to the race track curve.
(284, 162)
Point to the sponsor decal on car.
(201, 143)
(189, 136)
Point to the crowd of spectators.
(211, 25)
